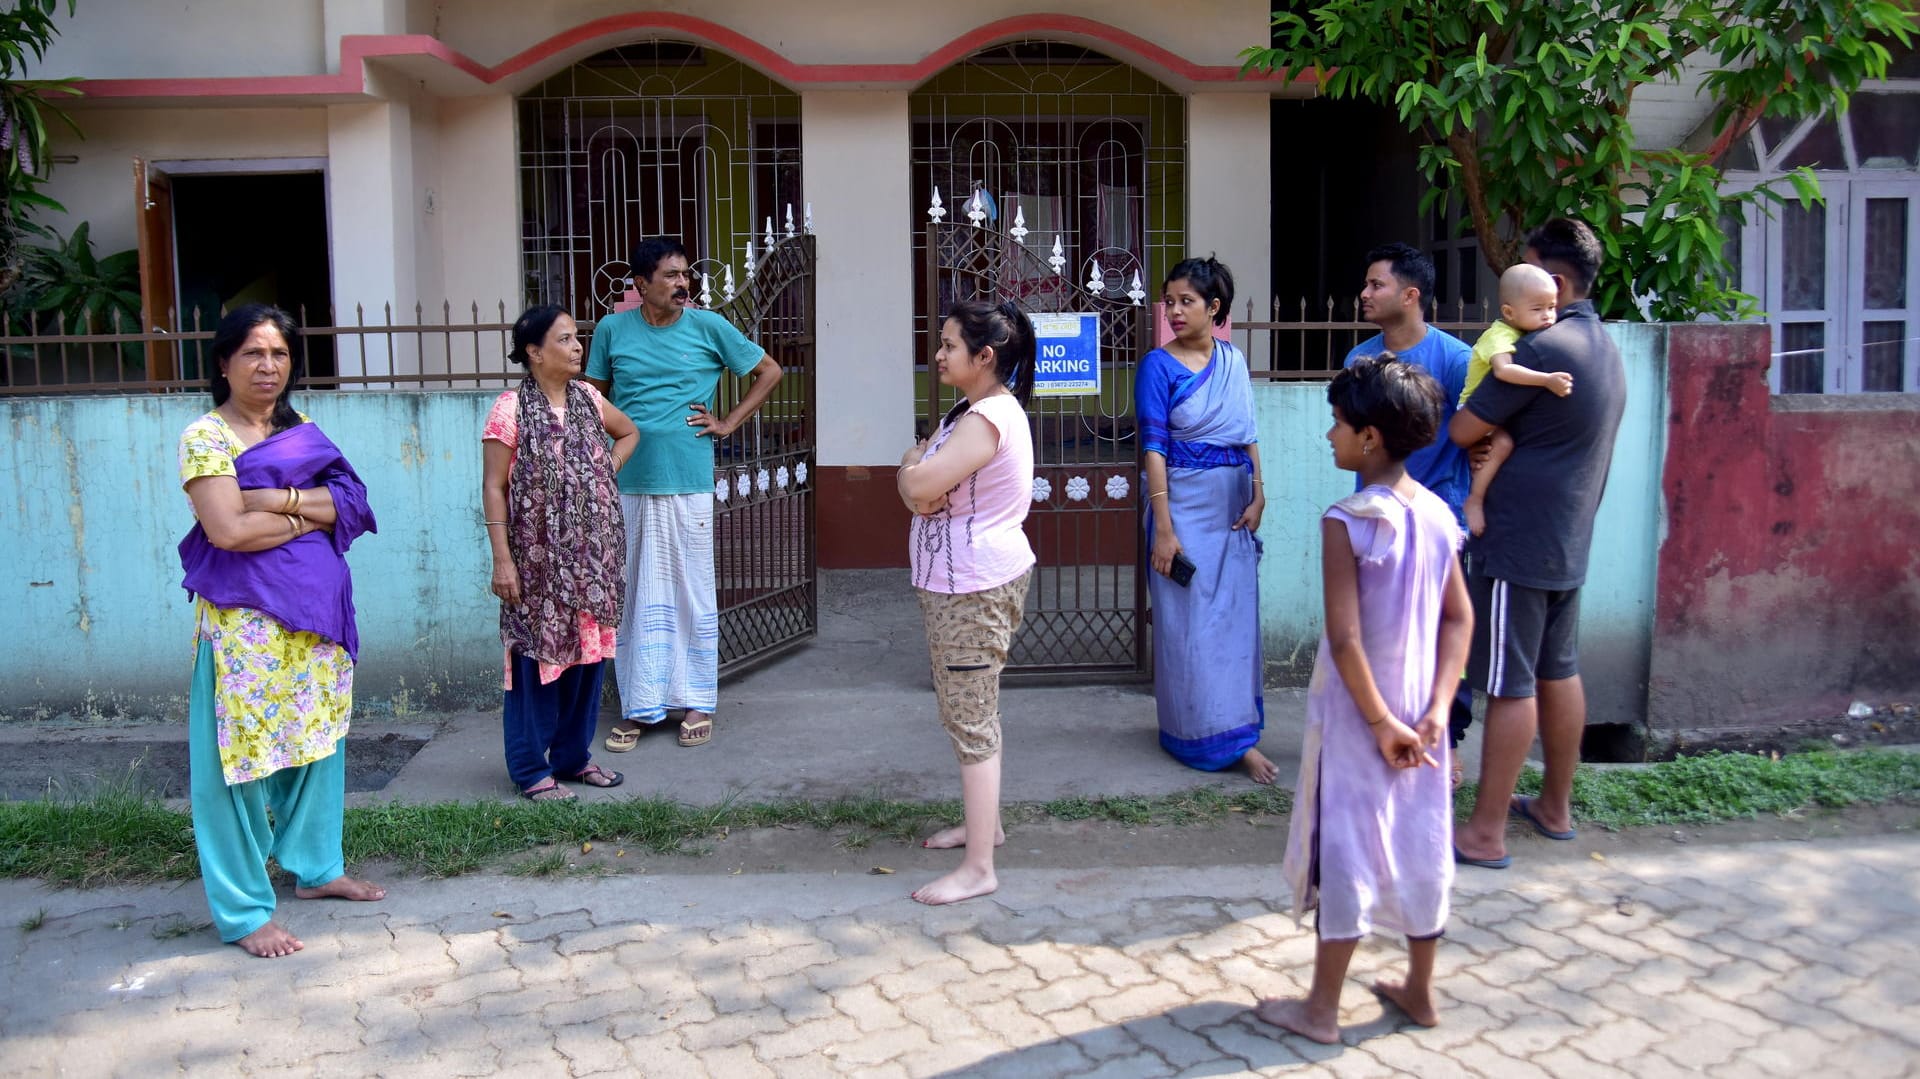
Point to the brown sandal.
(595, 776)
(621, 739)
(548, 790)
(696, 733)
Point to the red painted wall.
(1789, 578)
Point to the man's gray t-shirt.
(1541, 505)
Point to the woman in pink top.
(969, 487)
(550, 450)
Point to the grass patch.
(120, 834)
(112, 832)
(179, 927)
(33, 921)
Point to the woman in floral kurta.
(549, 451)
(276, 506)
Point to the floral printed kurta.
(281, 698)
(597, 642)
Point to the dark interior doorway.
(254, 238)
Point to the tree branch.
(1496, 249)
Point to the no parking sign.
(1068, 364)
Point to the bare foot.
(344, 887)
(270, 942)
(956, 836)
(1292, 1015)
(1260, 768)
(1476, 514)
(962, 883)
(1418, 1008)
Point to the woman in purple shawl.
(1204, 501)
(276, 506)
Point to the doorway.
(252, 237)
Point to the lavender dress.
(1371, 846)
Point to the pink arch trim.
(356, 49)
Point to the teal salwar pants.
(232, 827)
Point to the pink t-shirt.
(976, 541)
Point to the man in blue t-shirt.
(661, 364)
(1398, 286)
(1399, 283)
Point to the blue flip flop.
(1523, 808)
(1501, 862)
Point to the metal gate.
(765, 561)
(1086, 611)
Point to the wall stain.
(77, 520)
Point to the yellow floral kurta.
(281, 698)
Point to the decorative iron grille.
(1064, 147)
(1085, 610)
(764, 554)
(650, 139)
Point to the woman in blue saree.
(1194, 400)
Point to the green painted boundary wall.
(1617, 604)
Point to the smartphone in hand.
(1182, 569)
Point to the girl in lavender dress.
(1371, 845)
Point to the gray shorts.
(1521, 636)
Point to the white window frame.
(1844, 191)
(1857, 313)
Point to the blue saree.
(1206, 637)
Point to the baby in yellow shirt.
(1528, 302)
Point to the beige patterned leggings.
(968, 634)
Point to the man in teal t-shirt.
(661, 364)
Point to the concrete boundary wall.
(1790, 568)
(93, 513)
(1617, 606)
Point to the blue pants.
(292, 815)
(549, 728)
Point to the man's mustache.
(681, 294)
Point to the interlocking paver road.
(1739, 960)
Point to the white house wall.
(853, 165)
(422, 177)
(147, 39)
(98, 187)
(851, 31)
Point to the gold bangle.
(502, 524)
(1156, 494)
(286, 504)
(293, 523)
(296, 497)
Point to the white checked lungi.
(669, 651)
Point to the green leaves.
(26, 30)
(63, 287)
(1538, 96)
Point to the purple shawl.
(304, 584)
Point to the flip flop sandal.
(620, 740)
(547, 790)
(1523, 808)
(696, 734)
(1501, 862)
(595, 776)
